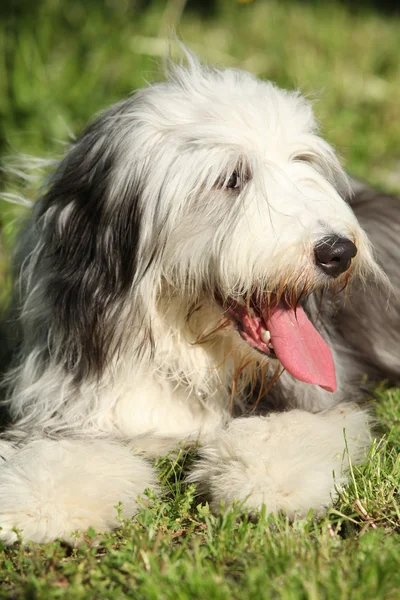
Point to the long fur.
(135, 247)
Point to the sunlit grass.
(176, 548)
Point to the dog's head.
(213, 187)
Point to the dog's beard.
(278, 330)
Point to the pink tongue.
(299, 346)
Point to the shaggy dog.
(183, 254)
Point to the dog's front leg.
(54, 488)
(290, 461)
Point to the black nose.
(333, 254)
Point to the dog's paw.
(290, 461)
(59, 489)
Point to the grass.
(176, 549)
(60, 63)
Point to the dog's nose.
(333, 254)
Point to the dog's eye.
(234, 182)
(303, 158)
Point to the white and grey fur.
(121, 357)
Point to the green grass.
(60, 62)
(176, 549)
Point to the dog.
(192, 256)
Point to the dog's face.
(253, 214)
(215, 186)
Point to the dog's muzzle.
(333, 255)
(281, 331)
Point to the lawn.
(60, 62)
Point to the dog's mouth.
(282, 332)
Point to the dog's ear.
(90, 228)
